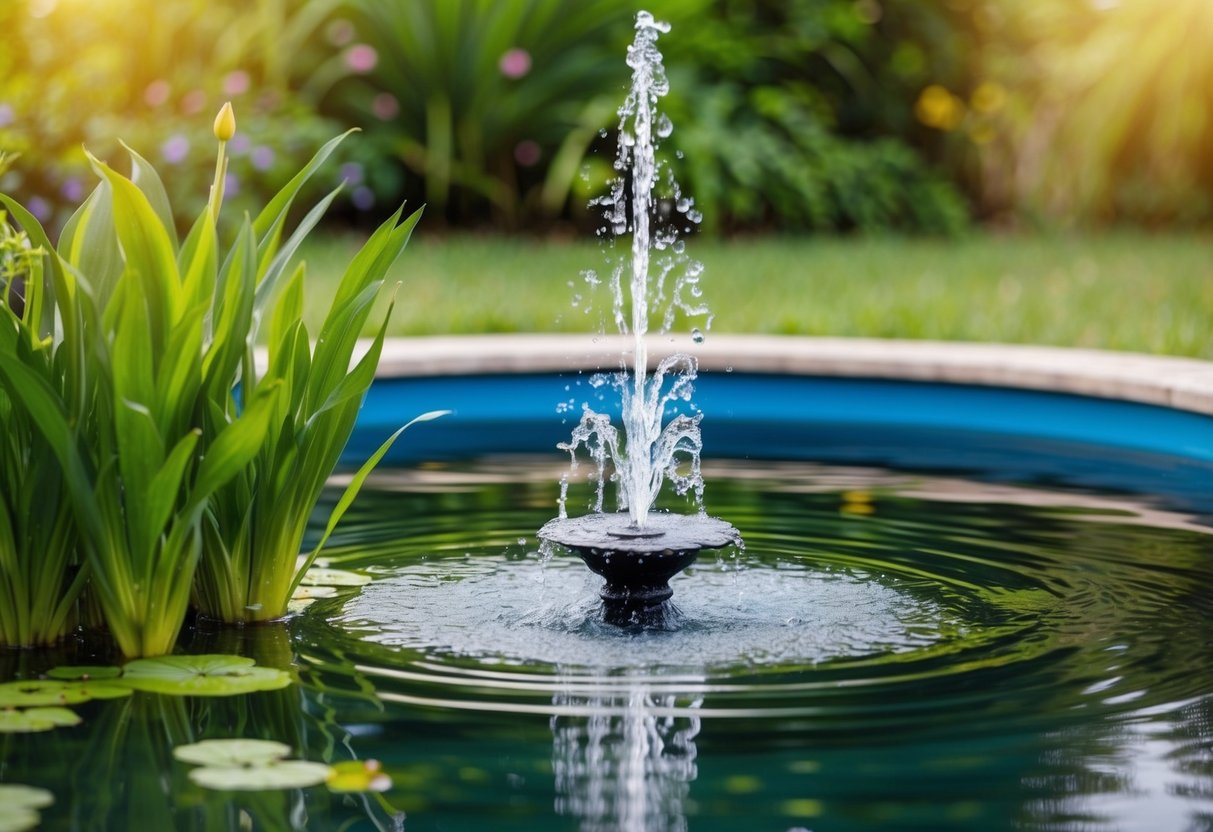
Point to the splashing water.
(649, 451)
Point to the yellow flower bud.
(225, 123)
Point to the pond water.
(892, 650)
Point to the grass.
(1123, 290)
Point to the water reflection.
(627, 766)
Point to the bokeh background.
(805, 115)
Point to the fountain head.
(638, 562)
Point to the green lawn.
(1122, 290)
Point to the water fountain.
(636, 550)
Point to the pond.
(924, 630)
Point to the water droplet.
(697, 335)
(664, 126)
(729, 369)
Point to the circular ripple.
(898, 590)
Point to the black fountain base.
(638, 562)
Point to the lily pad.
(36, 693)
(359, 776)
(231, 753)
(84, 673)
(31, 720)
(278, 774)
(18, 820)
(205, 675)
(319, 576)
(297, 605)
(311, 593)
(17, 796)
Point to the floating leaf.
(298, 605)
(35, 693)
(31, 720)
(279, 774)
(18, 820)
(231, 753)
(84, 673)
(206, 675)
(19, 806)
(359, 776)
(311, 593)
(320, 576)
(17, 796)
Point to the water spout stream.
(648, 451)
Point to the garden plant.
(131, 358)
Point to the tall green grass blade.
(144, 176)
(351, 491)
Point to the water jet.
(634, 550)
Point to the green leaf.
(275, 212)
(84, 673)
(19, 806)
(235, 446)
(351, 490)
(280, 774)
(19, 820)
(204, 675)
(17, 796)
(320, 576)
(149, 252)
(33, 720)
(228, 753)
(147, 180)
(34, 693)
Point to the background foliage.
(790, 114)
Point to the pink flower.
(361, 57)
(193, 102)
(236, 83)
(385, 106)
(527, 153)
(157, 92)
(515, 63)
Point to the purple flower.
(515, 63)
(239, 145)
(262, 157)
(361, 57)
(72, 189)
(352, 172)
(175, 149)
(7, 116)
(40, 208)
(363, 198)
(231, 186)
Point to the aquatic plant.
(40, 574)
(148, 393)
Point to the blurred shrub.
(797, 114)
(783, 109)
(492, 104)
(76, 73)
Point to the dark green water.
(890, 651)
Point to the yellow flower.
(225, 123)
(989, 97)
(938, 108)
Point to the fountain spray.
(636, 551)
